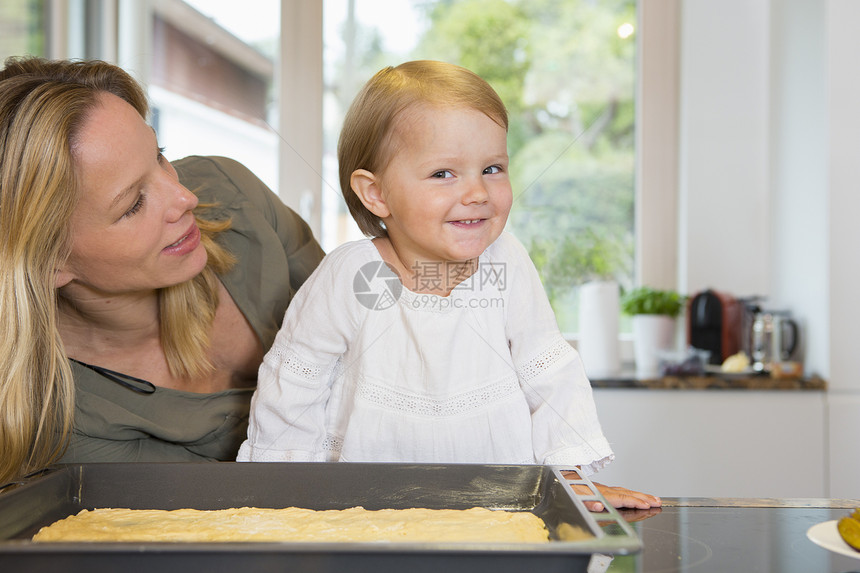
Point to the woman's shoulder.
(228, 189)
(210, 165)
(222, 180)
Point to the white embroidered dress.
(364, 369)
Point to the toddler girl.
(433, 341)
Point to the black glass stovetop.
(704, 536)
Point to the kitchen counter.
(711, 382)
(720, 535)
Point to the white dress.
(364, 369)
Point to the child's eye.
(444, 174)
(492, 169)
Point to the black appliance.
(714, 324)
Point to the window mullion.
(300, 109)
(657, 145)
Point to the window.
(209, 65)
(211, 80)
(22, 28)
(261, 101)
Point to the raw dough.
(297, 524)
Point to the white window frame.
(657, 143)
(300, 109)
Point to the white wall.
(843, 124)
(798, 135)
(769, 170)
(753, 159)
(724, 180)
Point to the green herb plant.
(647, 300)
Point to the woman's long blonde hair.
(43, 105)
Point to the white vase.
(651, 334)
(599, 316)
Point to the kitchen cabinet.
(715, 443)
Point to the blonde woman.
(136, 296)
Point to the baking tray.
(544, 490)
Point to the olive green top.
(275, 252)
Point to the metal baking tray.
(544, 490)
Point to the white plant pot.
(651, 334)
(599, 317)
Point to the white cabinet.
(715, 443)
(843, 414)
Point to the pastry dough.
(297, 524)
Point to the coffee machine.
(714, 324)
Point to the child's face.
(446, 186)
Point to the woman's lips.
(186, 244)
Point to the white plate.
(827, 536)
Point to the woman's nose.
(181, 201)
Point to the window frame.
(657, 144)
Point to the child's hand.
(619, 497)
(633, 515)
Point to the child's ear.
(367, 187)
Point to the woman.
(134, 313)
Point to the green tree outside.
(567, 78)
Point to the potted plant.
(654, 313)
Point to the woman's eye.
(444, 174)
(492, 169)
(160, 157)
(138, 205)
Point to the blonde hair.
(365, 139)
(43, 105)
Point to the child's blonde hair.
(365, 140)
